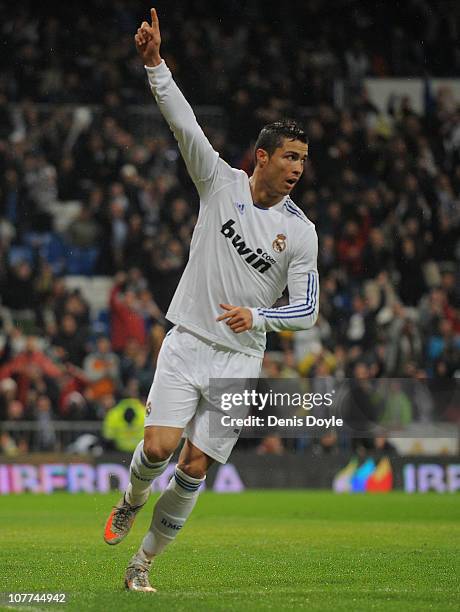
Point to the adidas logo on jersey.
(259, 260)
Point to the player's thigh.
(173, 398)
(211, 429)
(208, 432)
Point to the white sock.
(142, 473)
(140, 559)
(171, 511)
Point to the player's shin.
(171, 511)
(142, 473)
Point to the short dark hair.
(272, 135)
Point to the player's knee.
(156, 450)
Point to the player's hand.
(238, 318)
(148, 41)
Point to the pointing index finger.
(226, 315)
(154, 16)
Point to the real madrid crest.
(279, 244)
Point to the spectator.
(360, 410)
(397, 407)
(375, 255)
(350, 248)
(8, 390)
(142, 371)
(18, 292)
(126, 320)
(29, 365)
(102, 369)
(412, 283)
(45, 439)
(405, 341)
(84, 232)
(123, 425)
(76, 306)
(70, 341)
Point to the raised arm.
(200, 158)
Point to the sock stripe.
(133, 471)
(191, 482)
(189, 486)
(149, 465)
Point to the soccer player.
(250, 241)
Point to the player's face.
(283, 169)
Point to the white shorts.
(180, 395)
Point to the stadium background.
(97, 211)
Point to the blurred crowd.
(383, 191)
(58, 53)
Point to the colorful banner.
(341, 473)
(368, 477)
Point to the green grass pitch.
(259, 550)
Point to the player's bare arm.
(238, 318)
(148, 41)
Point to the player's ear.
(261, 157)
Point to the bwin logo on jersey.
(259, 260)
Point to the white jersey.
(240, 253)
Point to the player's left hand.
(238, 318)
